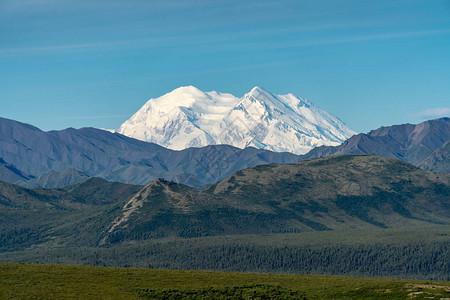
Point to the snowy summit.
(188, 117)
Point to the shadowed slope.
(439, 160)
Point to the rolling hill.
(338, 192)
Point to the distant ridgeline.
(32, 158)
(363, 192)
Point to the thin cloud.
(63, 47)
(219, 39)
(141, 43)
(438, 112)
(354, 39)
(90, 117)
(386, 36)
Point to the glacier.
(188, 117)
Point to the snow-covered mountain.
(188, 117)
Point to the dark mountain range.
(35, 216)
(332, 193)
(34, 158)
(407, 142)
(92, 192)
(106, 223)
(338, 192)
(28, 152)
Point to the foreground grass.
(62, 282)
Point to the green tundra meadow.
(35, 281)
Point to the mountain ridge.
(26, 152)
(412, 143)
(115, 157)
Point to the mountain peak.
(182, 96)
(188, 89)
(188, 117)
(257, 90)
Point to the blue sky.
(94, 63)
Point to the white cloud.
(438, 112)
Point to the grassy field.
(33, 281)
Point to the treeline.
(418, 260)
